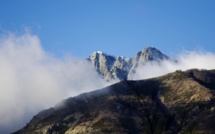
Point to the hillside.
(179, 102)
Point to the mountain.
(111, 67)
(179, 102)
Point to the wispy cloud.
(31, 79)
(187, 60)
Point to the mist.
(32, 79)
(198, 59)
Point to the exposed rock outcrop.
(111, 67)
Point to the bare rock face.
(179, 102)
(110, 67)
(103, 64)
(148, 54)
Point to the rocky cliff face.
(180, 102)
(110, 67)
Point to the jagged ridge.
(111, 67)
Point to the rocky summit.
(111, 67)
(176, 103)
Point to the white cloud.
(186, 60)
(31, 79)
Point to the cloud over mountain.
(186, 60)
(31, 79)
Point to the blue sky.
(79, 27)
(117, 27)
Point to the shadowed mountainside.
(179, 102)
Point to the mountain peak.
(111, 67)
(150, 49)
(152, 53)
(97, 52)
(100, 52)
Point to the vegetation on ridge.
(177, 103)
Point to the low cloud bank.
(32, 79)
(186, 60)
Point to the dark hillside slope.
(174, 103)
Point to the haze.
(32, 79)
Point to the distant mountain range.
(111, 67)
(176, 103)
